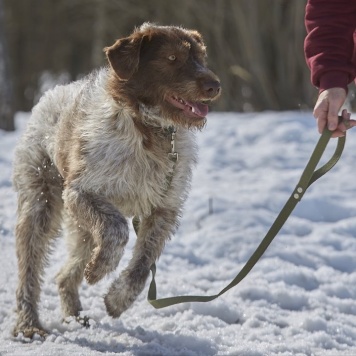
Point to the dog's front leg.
(106, 225)
(153, 232)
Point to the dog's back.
(58, 109)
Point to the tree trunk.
(98, 34)
(6, 102)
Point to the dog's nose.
(212, 88)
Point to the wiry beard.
(153, 115)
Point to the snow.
(300, 299)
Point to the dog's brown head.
(164, 67)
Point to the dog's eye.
(172, 57)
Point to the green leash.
(309, 176)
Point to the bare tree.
(6, 102)
(256, 47)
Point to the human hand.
(326, 112)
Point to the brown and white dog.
(95, 153)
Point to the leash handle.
(308, 177)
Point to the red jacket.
(330, 43)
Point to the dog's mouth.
(196, 109)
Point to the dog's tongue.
(199, 109)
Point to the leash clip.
(173, 155)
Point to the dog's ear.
(124, 56)
(197, 36)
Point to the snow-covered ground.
(300, 299)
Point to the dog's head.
(164, 68)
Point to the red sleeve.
(329, 44)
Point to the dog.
(97, 152)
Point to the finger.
(321, 122)
(321, 112)
(345, 114)
(333, 120)
(337, 133)
(333, 110)
(346, 124)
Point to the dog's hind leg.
(152, 235)
(80, 245)
(39, 217)
(106, 225)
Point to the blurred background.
(256, 47)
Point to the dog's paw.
(30, 332)
(114, 303)
(123, 292)
(81, 320)
(103, 261)
(119, 297)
